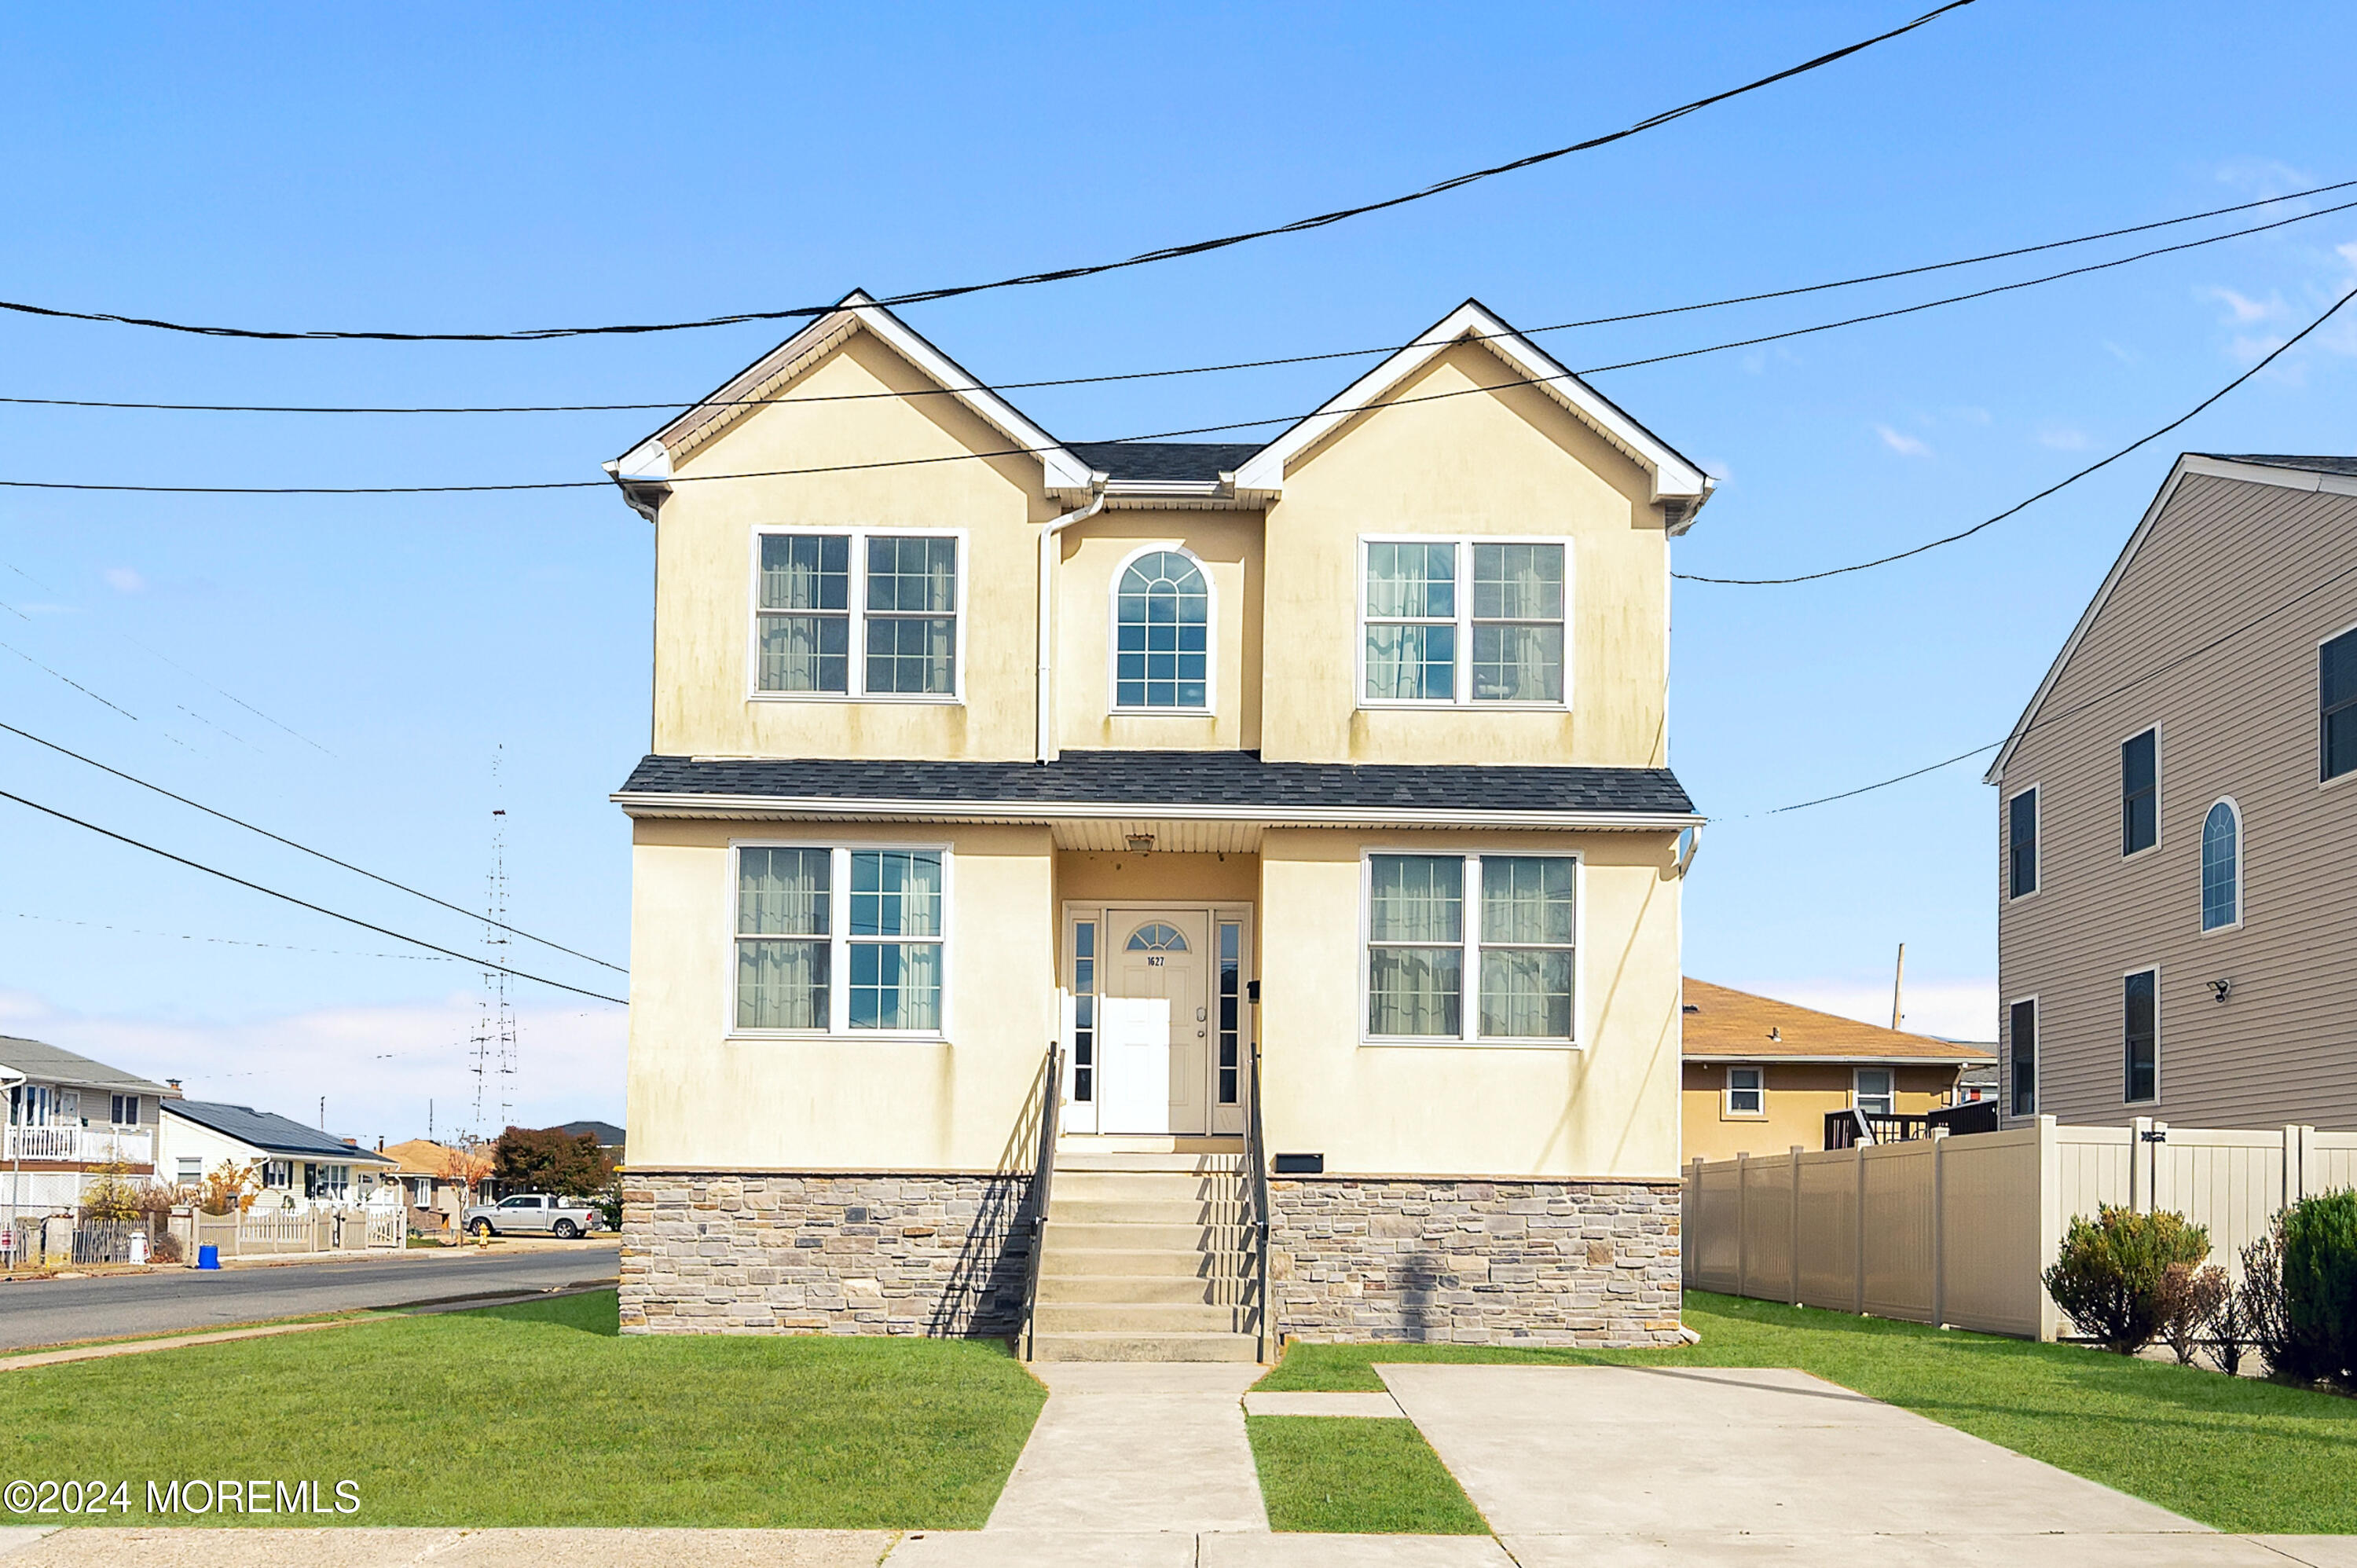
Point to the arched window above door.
(1162, 616)
(1156, 937)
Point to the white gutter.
(1045, 733)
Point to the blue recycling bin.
(209, 1257)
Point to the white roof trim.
(653, 459)
(2188, 464)
(652, 803)
(1675, 478)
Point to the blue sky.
(345, 669)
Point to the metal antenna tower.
(494, 1042)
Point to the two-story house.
(69, 1117)
(2177, 819)
(967, 740)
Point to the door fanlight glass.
(1156, 937)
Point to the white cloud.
(2242, 309)
(1953, 1010)
(124, 580)
(2346, 252)
(1718, 469)
(376, 1066)
(2263, 177)
(2248, 350)
(2062, 438)
(1906, 446)
(2124, 356)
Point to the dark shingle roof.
(51, 1064)
(608, 1136)
(271, 1132)
(1163, 462)
(2277, 460)
(1176, 778)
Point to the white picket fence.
(1959, 1231)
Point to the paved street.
(51, 1312)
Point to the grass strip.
(1342, 1475)
(542, 1413)
(2237, 1454)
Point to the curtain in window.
(805, 651)
(911, 615)
(895, 984)
(1518, 663)
(1411, 663)
(2220, 859)
(1526, 958)
(1410, 583)
(1162, 631)
(782, 985)
(1416, 989)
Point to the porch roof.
(1112, 789)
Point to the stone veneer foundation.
(720, 1254)
(1474, 1262)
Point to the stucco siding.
(2237, 720)
(1798, 1096)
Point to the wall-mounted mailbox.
(1301, 1165)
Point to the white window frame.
(2036, 844)
(1113, 707)
(2153, 730)
(1470, 1017)
(1858, 1092)
(2315, 687)
(115, 1107)
(856, 677)
(839, 940)
(281, 1169)
(2201, 869)
(1727, 1108)
(2036, 1046)
(2126, 975)
(1462, 673)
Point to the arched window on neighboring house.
(1162, 614)
(2222, 867)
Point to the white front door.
(1154, 1022)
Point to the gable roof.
(2337, 475)
(653, 461)
(271, 1134)
(1726, 1024)
(608, 1136)
(1163, 462)
(1679, 484)
(417, 1157)
(54, 1063)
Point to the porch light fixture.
(2221, 989)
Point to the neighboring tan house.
(1760, 1075)
(423, 1170)
(69, 1116)
(968, 741)
(2177, 819)
(295, 1166)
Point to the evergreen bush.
(2319, 1282)
(2111, 1277)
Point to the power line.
(2080, 706)
(1163, 254)
(301, 903)
(1167, 435)
(305, 849)
(229, 941)
(2023, 505)
(1266, 363)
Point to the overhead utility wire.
(304, 904)
(1241, 364)
(1167, 435)
(2022, 505)
(1163, 254)
(2062, 714)
(307, 849)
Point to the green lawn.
(2236, 1453)
(543, 1415)
(1356, 1475)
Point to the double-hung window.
(836, 939)
(2336, 703)
(124, 1111)
(2140, 792)
(1464, 621)
(1872, 1092)
(2022, 844)
(858, 614)
(1502, 927)
(2022, 1049)
(2141, 1010)
(1747, 1093)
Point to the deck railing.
(83, 1145)
(1052, 1118)
(1256, 1155)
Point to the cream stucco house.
(969, 742)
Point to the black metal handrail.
(1256, 1154)
(1043, 1172)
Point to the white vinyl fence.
(257, 1233)
(1959, 1231)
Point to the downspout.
(1045, 737)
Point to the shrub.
(2189, 1299)
(2110, 1277)
(2320, 1282)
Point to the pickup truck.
(531, 1214)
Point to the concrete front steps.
(1148, 1257)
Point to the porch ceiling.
(1170, 835)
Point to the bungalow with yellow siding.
(1014, 807)
(1760, 1075)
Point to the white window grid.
(1746, 1080)
(1463, 620)
(1469, 1003)
(840, 940)
(856, 616)
(1876, 1102)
